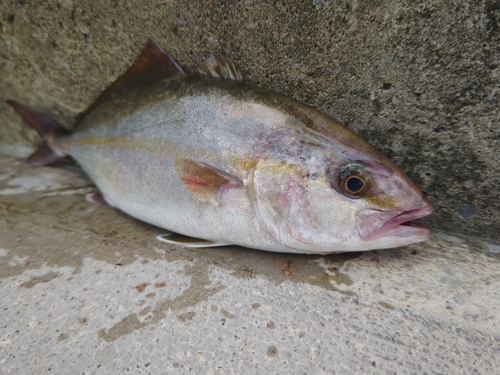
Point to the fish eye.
(354, 180)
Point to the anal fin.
(186, 241)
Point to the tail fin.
(46, 129)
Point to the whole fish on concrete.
(216, 161)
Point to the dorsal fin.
(153, 63)
(219, 67)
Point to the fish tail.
(47, 129)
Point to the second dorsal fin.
(153, 63)
(219, 67)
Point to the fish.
(215, 161)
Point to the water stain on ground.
(199, 290)
(140, 288)
(227, 314)
(386, 305)
(61, 231)
(271, 325)
(39, 279)
(272, 351)
(188, 315)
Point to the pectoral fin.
(203, 181)
(185, 241)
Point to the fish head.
(327, 197)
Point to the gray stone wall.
(419, 80)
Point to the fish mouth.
(401, 225)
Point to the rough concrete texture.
(418, 80)
(85, 289)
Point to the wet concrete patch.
(39, 279)
(125, 326)
(199, 290)
(63, 230)
(227, 314)
(386, 305)
(272, 351)
(189, 315)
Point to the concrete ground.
(85, 289)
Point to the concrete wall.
(421, 81)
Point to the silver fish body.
(130, 144)
(233, 163)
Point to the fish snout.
(372, 224)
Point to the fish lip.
(400, 225)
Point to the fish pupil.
(355, 184)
